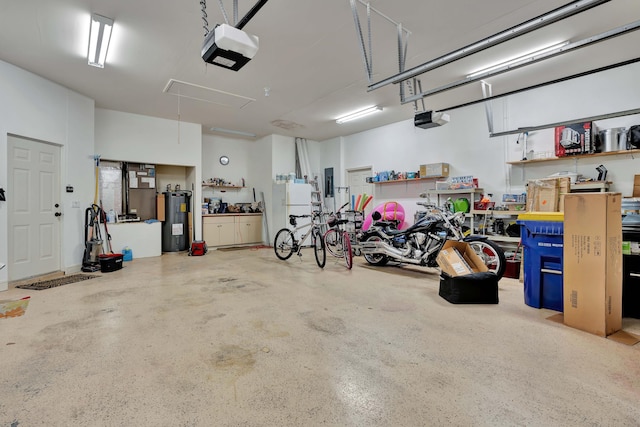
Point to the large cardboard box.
(458, 258)
(434, 170)
(636, 186)
(592, 254)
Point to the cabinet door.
(250, 229)
(211, 233)
(218, 230)
(227, 233)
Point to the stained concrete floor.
(243, 339)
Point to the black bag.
(633, 136)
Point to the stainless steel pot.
(614, 139)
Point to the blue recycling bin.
(543, 264)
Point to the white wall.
(142, 139)
(238, 150)
(464, 142)
(33, 107)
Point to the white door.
(358, 185)
(33, 203)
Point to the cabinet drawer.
(218, 219)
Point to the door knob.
(58, 214)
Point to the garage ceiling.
(309, 57)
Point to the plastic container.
(543, 263)
(111, 217)
(127, 254)
(110, 262)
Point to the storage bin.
(110, 262)
(127, 254)
(543, 263)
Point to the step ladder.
(316, 197)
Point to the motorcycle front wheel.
(375, 259)
(492, 255)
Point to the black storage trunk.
(474, 288)
(110, 262)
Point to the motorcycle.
(421, 243)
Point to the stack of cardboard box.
(547, 194)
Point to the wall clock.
(224, 160)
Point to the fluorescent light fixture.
(233, 132)
(99, 37)
(358, 114)
(522, 58)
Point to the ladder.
(316, 197)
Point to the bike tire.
(332, 242)
(284, 244)
(492, 255)
(319, 249)
(346, 249)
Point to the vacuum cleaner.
(93, 240)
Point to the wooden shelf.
(577, 156)
(393, 181)
(224, 187)
(463, 191)
(496, 212)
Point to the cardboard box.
(434, 170)
(592, 255)
(636, 186)
(547, 195)
(160, 207)
(458, 258)
(576, 138)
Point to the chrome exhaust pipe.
(381, 248)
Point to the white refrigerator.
(291, 199)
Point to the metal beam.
(567, 122)
(568, 48)
(558, 14)
(246, 18)
(539, 85)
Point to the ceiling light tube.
(358, 114)
(233, 132)
(99, 37)
(520, 59)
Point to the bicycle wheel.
(284, 244)
(319, 249)
(346, 249)
(333, 242)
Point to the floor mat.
(46, 284)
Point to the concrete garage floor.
(243, 339)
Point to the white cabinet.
(249, 229)
(229, 229)
(218, 230)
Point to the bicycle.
(338, 241)
(285, 243)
